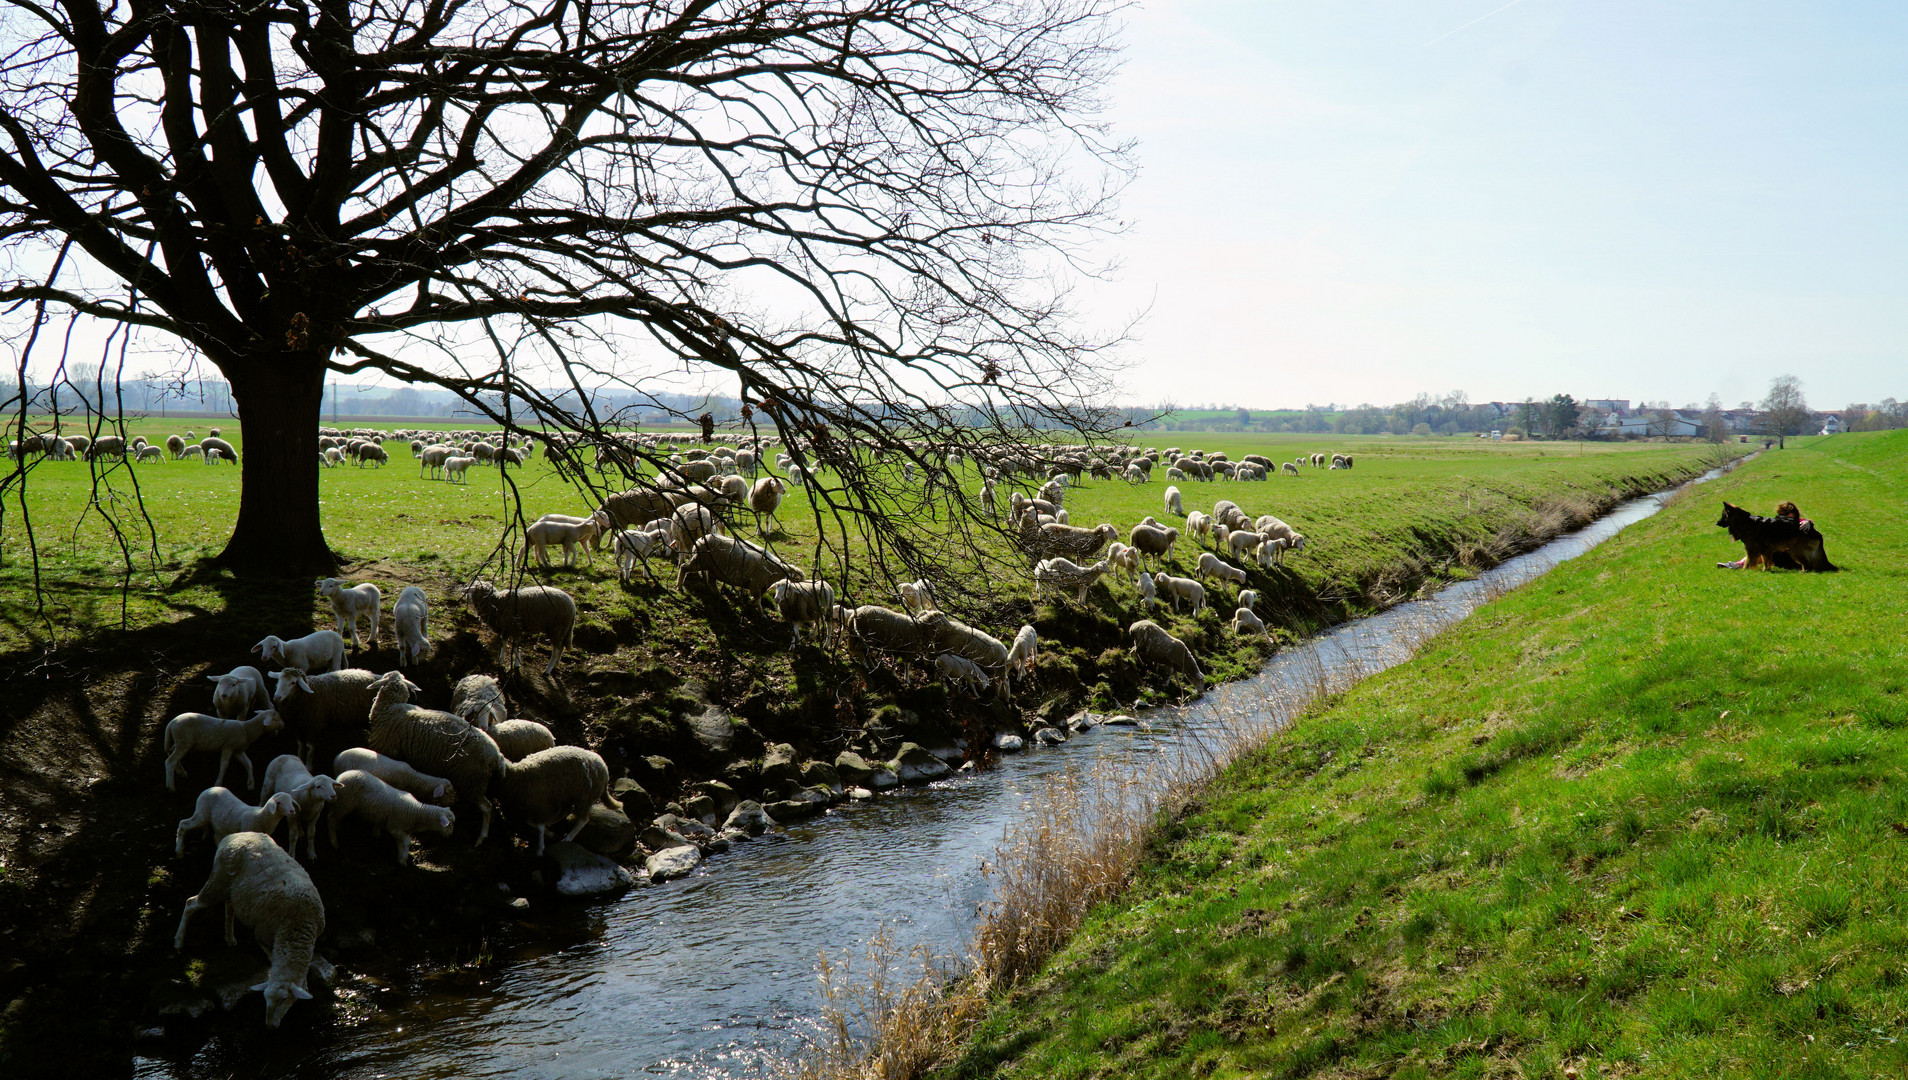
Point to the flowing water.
(715, 975)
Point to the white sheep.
(1244, 543)
(1061, 573)
(765, 498)
(1175, 589)
(1245, 622)
(1154, 647)
(1173, 502)
(1143, 581)
(350, 603)
(240, 691)
(1212, 565)
(514, 614)
(803, 603)
(1152, 541)
(312, 706)
(633, 545)
(554, 785)
(411, 613)
(1122, 557)
(987, 497)
(479, 699)
(1199, 524)
(917, 596)
(1248, 598)
(262, 886)
(518, 739)
(960, 673)
(323, 650)
(1289, 469)
(395, 773)
(191, 731)
(397, 813)
(950, 635)
(287, 775)
(458, 467)
(540, 534)
(1022, 653)
(224, 813)
(440, 742)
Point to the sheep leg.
(225, 759)
(556, 653)
(173, 761)
(374, 626)
(403, 848)
(245, 760)
(231, 922)
(483, 813)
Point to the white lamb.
(287, 775)
(395, 812)
(917, 596)
(411, 613)
(1144, 582)
(349, 604)
(1244, 543)
(1058, 573)
(1175, 589)
(395, 773)
(224, 813)
(803, 603)
(1122, 557)
(1248, 598)
(960, 673)
(1172, 501)
(240, 691)
(1199, 523)
(480, 700)
(191, 731)
(1213, 566)
(633, 545)
(321, 651)
(262, 886)
(1245, 622)
(457, 468)
(1022, 653)
(541, 534)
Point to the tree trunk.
(278, 533)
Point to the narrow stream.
(715, 975)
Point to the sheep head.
(278, 1000)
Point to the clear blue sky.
(1656, 200)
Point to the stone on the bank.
(672, 863)
(581, 872)
(748, 817)
(914, 765)
(883, 779)
(951, 753)
(608, 832)
(1047, 736)
(1119, 720)
(1009, 743)
(700, 807)
(637, 804)
(659, 836)
(820, 774)
(780, 772)
(852, 768)
(714, 731)
(1083, 720)
(724, 796)
(695, 831)
(794, 809)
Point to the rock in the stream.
(852, 768)
(608, 832)
(805, 802)
(949, 752)
(724, 796)
(748, 817)
(582, 872)
(694, 830)
(1084, 721)
(1119, 720)
(658, 837)
(1047, 736)
(820, 774)
(914, 765)
(1009, 743)
(883, 779)
(700, 807)
(637, 804)
(714, 731)
(672, 863)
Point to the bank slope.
(1642, 817)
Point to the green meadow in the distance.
(1406, 498)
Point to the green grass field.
(1642, 817)
(1410, 509)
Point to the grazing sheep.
(540, 534)
(1172, 501)
(1248, 598)
(1122, 557)
(1133, 474)
(987, 497)
(240, 691)
(917, 596)
(1272, 552)
(514, 614)
(518, 739)
(175, 446)
(873, 629)
(1211, 565)
(1071, 542)
(410, 614)
(478, 699)
(633, 545)
(1243, 543)
(1152, 541)
(370, 452)
(224, 813)
(286, 775)
(554, 785)
(1060, 573)
(1199, 524)
(191, 731)
(803, 603)
(458, 468)
(395, 812)
(1245, 622)
(765, 498)
(349, 603)
(1289, 469)
(1175, 589)
(950, 635)
(1174, 472)
(1022, 653)
(693, 522)
(313, 706)
(395, 773)
(1143, 581)
(960, 673)
(323, 650)
(726, 560)
(151, 453)
(432, 458)
(262, 886)
(1156, 648)
(435, 742)
(215, 448)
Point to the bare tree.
(1785, 411)
(849, 209)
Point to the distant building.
(1619, 406)
(1832, 425)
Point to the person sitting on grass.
(1785, 510)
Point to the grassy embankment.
(1642, 817)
